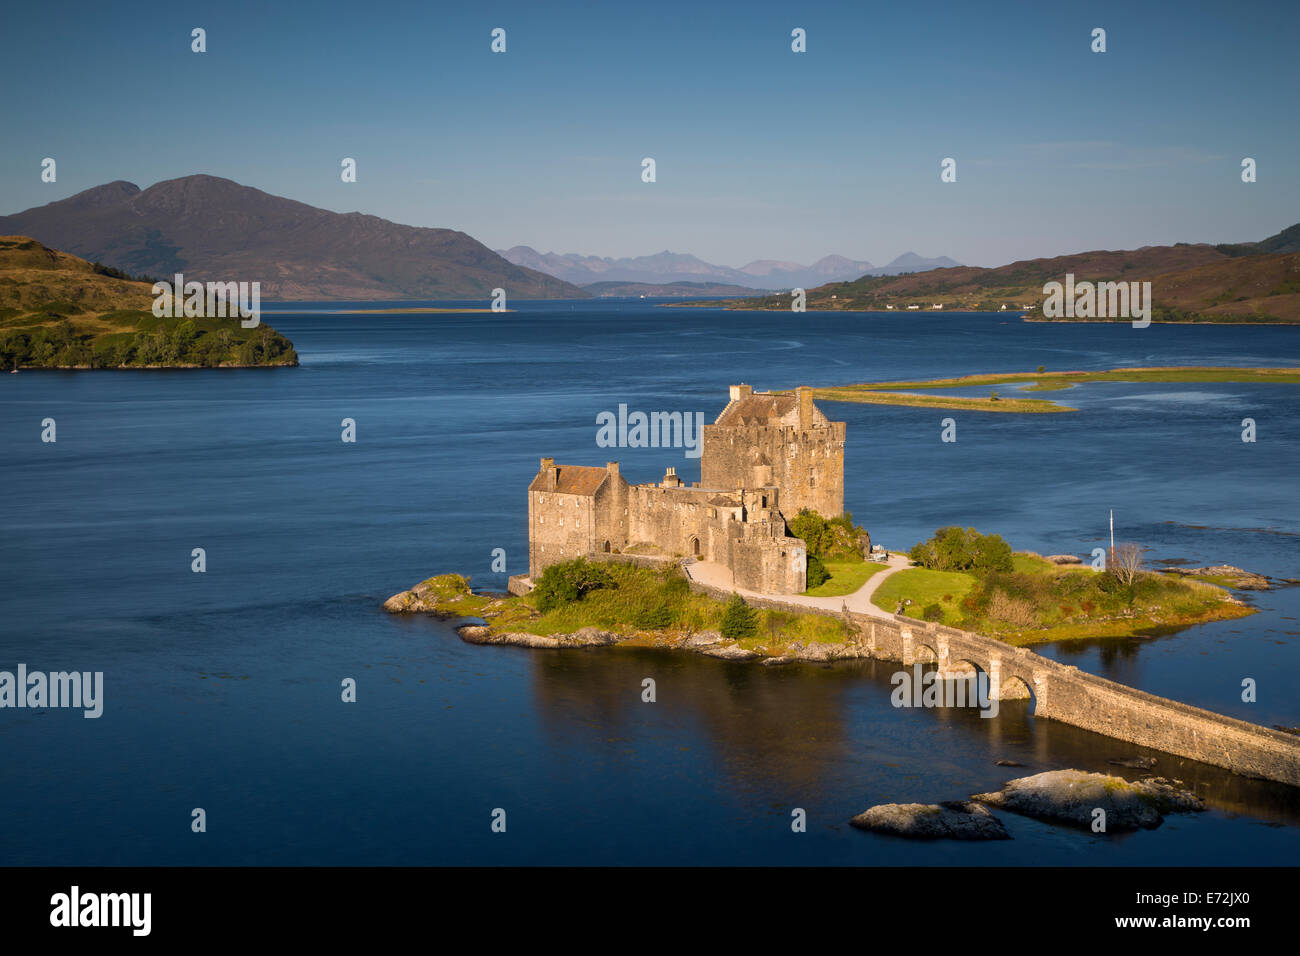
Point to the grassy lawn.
(846, 577)
(1029, 564)
(925, 587)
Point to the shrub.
(932, 612)
(963, 549)
(653, 617)
(817, 573)
(567, 582)
(1006, 609)
(738, 620)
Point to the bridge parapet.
(1065, 693)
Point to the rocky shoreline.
(1095, 802)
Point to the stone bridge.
(1065, 693)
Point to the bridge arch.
(1014, 687)
(924, 654)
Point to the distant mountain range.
(1190, 282)
(674, 267)
(683, 290)
(215, 229)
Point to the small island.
(906, 392)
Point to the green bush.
(962, 549)
(932, 612)
(654, 617)
(817, 573)
(836, 537)
(739, 620)
(569, 581)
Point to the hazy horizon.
(761, 153)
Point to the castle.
(765, 458)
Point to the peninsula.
(58, 311)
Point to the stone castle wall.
(807, 464)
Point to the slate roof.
(756, 410)
(572, 480)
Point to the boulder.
(1071, 796)
(951, 820)
(1064, 559)
(1136, 763)
(584, 637)
(1235, 577)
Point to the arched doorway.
(695, 546)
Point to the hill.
(1249, 282)
(60, 311)
(215, 229)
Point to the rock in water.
(1136, 763)
(1071, 796)
(583, 637)
(1008, 763)
(951, 820)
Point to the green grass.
(863, 396)
(888, 393)
(622, 609)
(923, 587)
(846, 577)
(1031, 564)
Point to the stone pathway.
(718, 576)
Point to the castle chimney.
(805, 407)
(741, 391)
(550, 473)
(612, 468)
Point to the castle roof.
(571, 480)
(765, 408)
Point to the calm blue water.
(223, 688)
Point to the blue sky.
(760, 152)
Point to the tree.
(963, 549)
(1125, 564)
(739, 620)
(568, 582)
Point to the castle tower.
(777, 439)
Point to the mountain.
(666, 289)
(673, 267)
(60, 311)
(1239, 282)
(215, 229)
(911, 262)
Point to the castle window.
(541, 520)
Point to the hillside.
(60, 311)
(1247, 282)
(215, 229)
